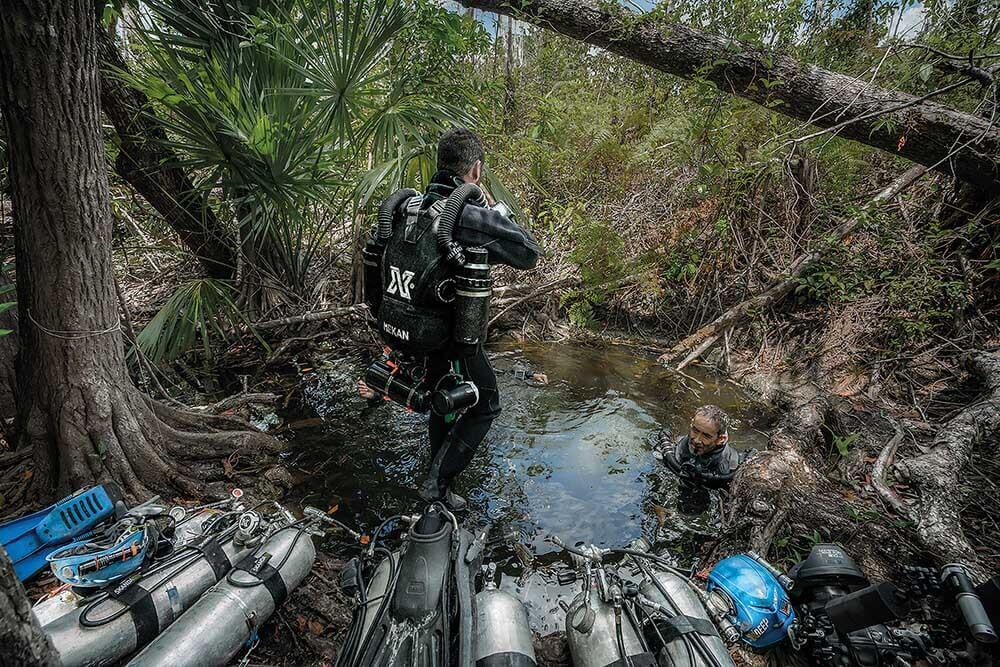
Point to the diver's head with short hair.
(709, 430)
(460, 152)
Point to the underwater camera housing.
(845, 621)
(746, 592)
(403, 383)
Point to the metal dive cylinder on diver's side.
(473, 288)
(215, 628)
(503, 637)
(139, 608)
(371, 258)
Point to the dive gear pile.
(416, 605)
(646, 616)
(194, 584)
(30, 539)
(845, 621)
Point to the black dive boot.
(434, 490)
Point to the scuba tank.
(503, 637)
(102, 629)
(658, 619)
(214, 629)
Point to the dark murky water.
(573, 458)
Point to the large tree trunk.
(931, 134)
(152, 170)
(77, 408)
(22, 642)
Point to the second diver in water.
(704, 457)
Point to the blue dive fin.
(30, 539)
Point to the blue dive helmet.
(89, 563)
(758, 605)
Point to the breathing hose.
(388, 208)
(446, 243)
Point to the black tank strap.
(268, 576)
(211, 550)
(678, 626)
(143, 613)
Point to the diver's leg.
(438, 428)
(469, 432)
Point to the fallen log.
(935, 135)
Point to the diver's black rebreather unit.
(440, 303)
(846, 621)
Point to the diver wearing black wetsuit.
(416, 277)
(704, 457)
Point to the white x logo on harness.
(400, 282)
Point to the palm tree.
(291, 118)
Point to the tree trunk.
(508, 96)
(148, 166)
(77, 408)
(22, 642)
(931, 134)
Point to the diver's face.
(704, 435)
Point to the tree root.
(783, 489)
(143, 446)
(935, 475)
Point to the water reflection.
(573, 458)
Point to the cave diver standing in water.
(427, 285)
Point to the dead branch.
(780, 288)
(935, 475)
(884, 461)
(315, 316)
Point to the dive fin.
(30, 539)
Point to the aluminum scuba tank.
(689, 638)
(593, 632)
(502, 633)
(214, 629)
(139, 608)
(674, 593)
(473, 287)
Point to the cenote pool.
(573, 458)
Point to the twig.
(884, 461)
(316, 316)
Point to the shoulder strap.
(412, 214)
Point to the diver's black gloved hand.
(689, 470)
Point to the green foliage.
(201, 311)
(291, 115)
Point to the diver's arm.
(505, 241)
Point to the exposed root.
(145, 447)
(935, 475)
